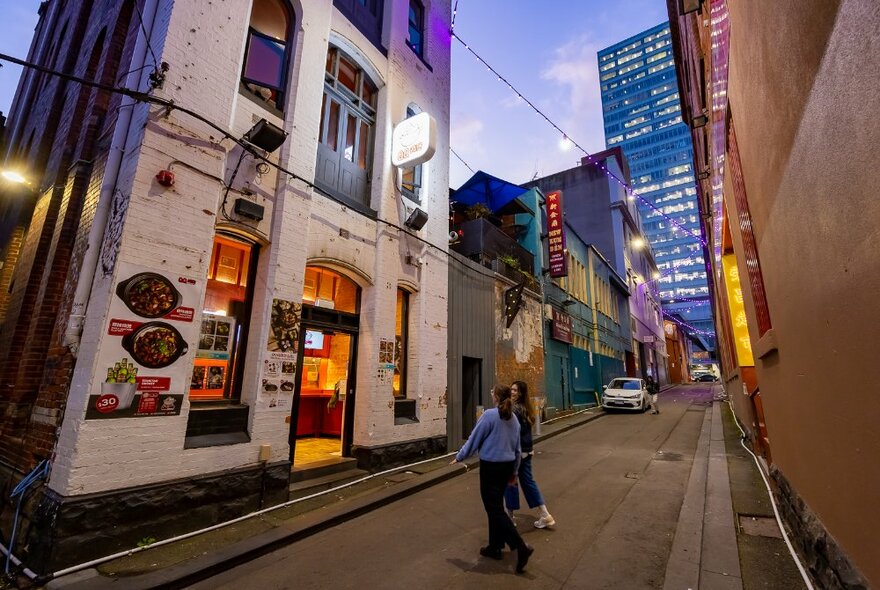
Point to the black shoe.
(522, 557)
(491, 553)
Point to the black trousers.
(493, 481)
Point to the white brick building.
(259, 309)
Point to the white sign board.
(414, 141)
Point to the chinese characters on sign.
(556, 235)
(737, 311)
(561, 327)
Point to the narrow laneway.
(615, 487)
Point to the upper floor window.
(348, 114)
(267, 51)
(416, 39)
(366, 15)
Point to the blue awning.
(500, 196)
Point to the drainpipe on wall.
(121, 135)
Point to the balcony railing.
(484, 242)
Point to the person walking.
(526, 413)
(496, 438)
(654, 392)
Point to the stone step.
(309, 486)
(322, 468)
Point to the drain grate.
(759, 526)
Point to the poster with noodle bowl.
(145, 361)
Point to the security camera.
(453, 237)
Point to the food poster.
(144, 360)
(279, 366)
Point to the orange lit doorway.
(322, 417)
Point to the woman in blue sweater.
(496, 438)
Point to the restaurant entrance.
(322, 416)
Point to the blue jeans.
(529, 487)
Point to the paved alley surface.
(615, 487)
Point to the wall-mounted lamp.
(700, 120)
(703, 175)
(637, 243)
(266, 136)
(13, 176)
(417, 219)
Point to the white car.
(626, 393)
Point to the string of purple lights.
(687, 325)
(626, 187)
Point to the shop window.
(411, 178)
(416, 39)
(348, 115)
(225, 317)
(401, 343)
(267, 51)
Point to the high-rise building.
(640, 105)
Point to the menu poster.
(284, 327)
(216, 336)
(143, 365)
(277, 384)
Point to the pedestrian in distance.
(526, 413)
(496, 438)
(654, 392)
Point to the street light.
(13, 176)
(638, 243)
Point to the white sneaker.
(545, 521)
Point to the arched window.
(267, 51)
(348, 113)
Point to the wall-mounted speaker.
(417, 219)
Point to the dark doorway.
(471, 386)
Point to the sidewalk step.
(321, 468)
(306, 487)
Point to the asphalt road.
(614, 485)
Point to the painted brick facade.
(170, 230)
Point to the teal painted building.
(595, 298)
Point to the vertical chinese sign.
(556, 235)
(737, 311)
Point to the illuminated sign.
(737, 310)
(414, 141)
(556, 235)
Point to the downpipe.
(121, 135)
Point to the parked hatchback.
(626, 393)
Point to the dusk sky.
(546, 49)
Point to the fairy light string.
(590, 158)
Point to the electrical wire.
(169, 105)
(454, 153)
(567, 137)
(794, 555)
(146, 35)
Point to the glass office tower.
(640, 105)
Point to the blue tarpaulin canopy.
(498, 195)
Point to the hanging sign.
(556, 235)
(414, 141)
(737, 311)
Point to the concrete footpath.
(722, 539)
